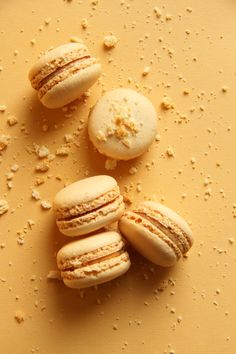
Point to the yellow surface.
(189, 308)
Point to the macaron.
(122, 124)
(63, 74)
(157, 232)
(93, 260)
(88, 205)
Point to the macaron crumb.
(157, 12)
(63, 151)
(146, 71)
(47, 21)
(3, 107)
(46, 205)
(110, 164)
(12, 120)
(231, 240)
(42, 167)
(75, 39)
(19, 316)
(35, 194)
(224, 89)
(4, 141)
(166, 104)
(115, 327)
(54, 275)
(4, 207)
(170, 152)
(84, 23)
(43, 151)
(110, 41)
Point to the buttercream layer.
(143, 222)
(65, 72)
(56, 64)
(80, 209)
(167, 226)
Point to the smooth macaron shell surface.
(123, 124)
(63, 74)
(88, 205)
(94, 260)
(157, 232)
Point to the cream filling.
(140, 220)
(169, 228)
(65, 72)
(84, 219)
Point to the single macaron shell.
(63, 74)
(88, 205)
(157, 232)
(123, 124)
(93, 260)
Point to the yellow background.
(186, 309)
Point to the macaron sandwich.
(63, 74)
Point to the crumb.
(170, 152)
(115, 327)
(133, 170)
(39, 181)
(45, 204)
(166, 104)
(15, 167)
(68, 138)
(4, 207)
(19, 316)
(193, 160)
(54, 274)
(186, 92)
(157, 138)
(4, 141)
(63, 151)
(47, 20)
(110, 164)
(3, 107)
(75, 40)
(33, 41)
(9, 175)
(12, 120)
(35, 194)
(110, 41)
(127, 199)
(231, 240)
(157, 11)
(42, 152)
(168, 17)
(30, 223)
(224, 89)
(146, 71)
(84, 23)
(42, 167)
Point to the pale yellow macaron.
(93, 260)
(63, 74)
(123, 124)
(157, 232)
(88, 205)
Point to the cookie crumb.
(110, 164)
(45, 204)
(54, 275)
(42, 167)
(63, 151)
(19, 316)
(84, 23)
(146, 71)
(35, 194)
(231, 240)
(166, 104)
(68, 138)
(4, 207)
(12, 120)
(170, 152)
(47, 21)
(110, 41)
(157, 12)
(43, 152)
(4, 141)
(224, 89)
(15, 167)
(3, 107)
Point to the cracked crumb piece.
(84, 23)
(43, 152)
(54, 274)
(110, 164)
(170, 152)
(39, 181)
(42, 167)
(45, 204)
(157, 11)
(19, 316)
(4, 141)
(35, 194)
(4, 207)
(166, 104)
(63, 151)
(146, 71)
(3, 107)
(15, 167)
(110, 41)
(68, 138)
(12, 120)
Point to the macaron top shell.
(84, 191)
(123, 124)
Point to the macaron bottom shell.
(71, 88)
